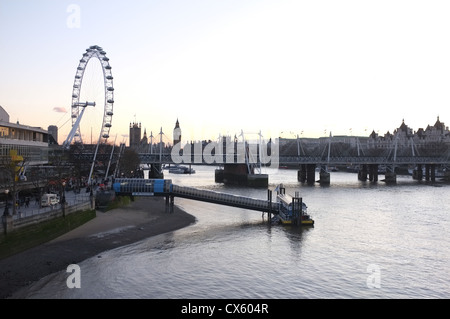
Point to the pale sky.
(282, 67)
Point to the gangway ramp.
(262, 205)
(165, 188)
(142, 186)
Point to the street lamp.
(6, 212)
(63, 199)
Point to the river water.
(369, 241)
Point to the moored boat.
(181, 170)
(292, 210)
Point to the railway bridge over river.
(241, 165)
(241, 162)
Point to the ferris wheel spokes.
(98, 53)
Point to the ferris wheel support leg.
(93, 163)
(73, 130)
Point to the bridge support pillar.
(218, 175)
(307, 173)
(390, 177)
(430, 172)
(301, 173)
(447, 175)
(324, 176)
(362, 173)
(311, 173)
(170, 203)
(373, 172)
(418, 172)
(237, 174)
(155, 171)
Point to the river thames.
(369, 241)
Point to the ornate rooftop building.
(406, 136)
(135, 135)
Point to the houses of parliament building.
(150, 144)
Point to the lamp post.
(6, 212)
(63, 199)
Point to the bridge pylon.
(307, 173)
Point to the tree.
(12, 168)
(130, 164)
(80, 165)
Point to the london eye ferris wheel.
(80, 87)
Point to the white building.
(29, 142)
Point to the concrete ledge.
(13, 224)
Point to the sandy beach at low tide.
(141, 219)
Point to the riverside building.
(31, 143)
